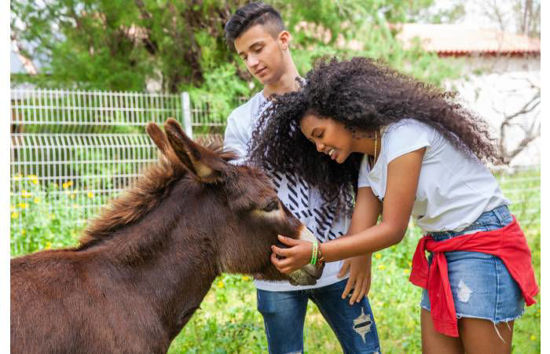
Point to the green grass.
(228, 322)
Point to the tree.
(526, 123)
(518, 16)
(86, 40)
(121, 45)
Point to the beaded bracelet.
(320, 257)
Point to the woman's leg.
(480, 336)
(476, 336)
(435, 342)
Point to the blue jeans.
(481, 285)
(284, 314)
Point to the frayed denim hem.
(460, 315)
(495, 322)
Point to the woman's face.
(329, 136)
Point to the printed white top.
(304, 202)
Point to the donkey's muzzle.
(309, 274)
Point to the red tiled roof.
(459, 40)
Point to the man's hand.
(359, 277)
(295, 257)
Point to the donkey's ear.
(161, 141)
(203, 163)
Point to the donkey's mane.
(143, 196)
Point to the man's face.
(263, 54)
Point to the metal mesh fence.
(64, 111)
(73, 150)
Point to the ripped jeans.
(284, 314)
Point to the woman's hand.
(359, 277)
(295, 257)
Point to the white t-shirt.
(304, 202)
(453, 189)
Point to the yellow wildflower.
(220, 284)
(23, 232)
(17, 177)
(381, 267)
(405, 271)
(14, 215)
(48, 245)
(90, 195)
(533, 337)
(33, 179)
(23, 205)
(37, 200)
(67, 184)
(378, 256)
(26, 194)
(246, 278)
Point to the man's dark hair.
(256, 13)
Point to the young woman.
(408, 149)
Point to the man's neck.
(287, 83)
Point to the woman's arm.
(403, 173)
(365, 214)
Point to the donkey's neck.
(168, 257)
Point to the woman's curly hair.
(364, 95)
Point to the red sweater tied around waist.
(507, 243)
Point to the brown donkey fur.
(143, 267)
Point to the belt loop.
(499, 211)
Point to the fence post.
(186, 109)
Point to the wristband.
(314, 251)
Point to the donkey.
(144, 265)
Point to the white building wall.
(495, 87)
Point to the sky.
(475, 13)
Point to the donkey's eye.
(273, 205)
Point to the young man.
(257, 33)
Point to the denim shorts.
(481, 285)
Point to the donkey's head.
(236, 207)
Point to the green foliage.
(120, 45)
(48, 216)
(228, 322)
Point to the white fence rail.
(73, 150)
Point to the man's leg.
(284, 313)
(353, 325)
